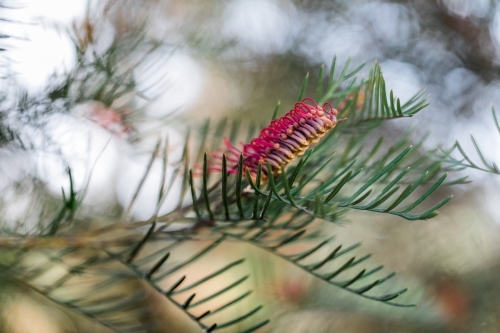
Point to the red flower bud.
(282, 140)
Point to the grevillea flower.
(282, 140)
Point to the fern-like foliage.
(465, 161)
(108, 75)
(109, 286)
(345, 171)
(72, 278)
(154, 269)
(276, 238)
(364, 102)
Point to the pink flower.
(282, 140)
(106, 117)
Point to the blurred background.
(188, 60)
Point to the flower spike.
(282, 140)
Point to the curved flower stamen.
(282, 140)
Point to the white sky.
(43, 50)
